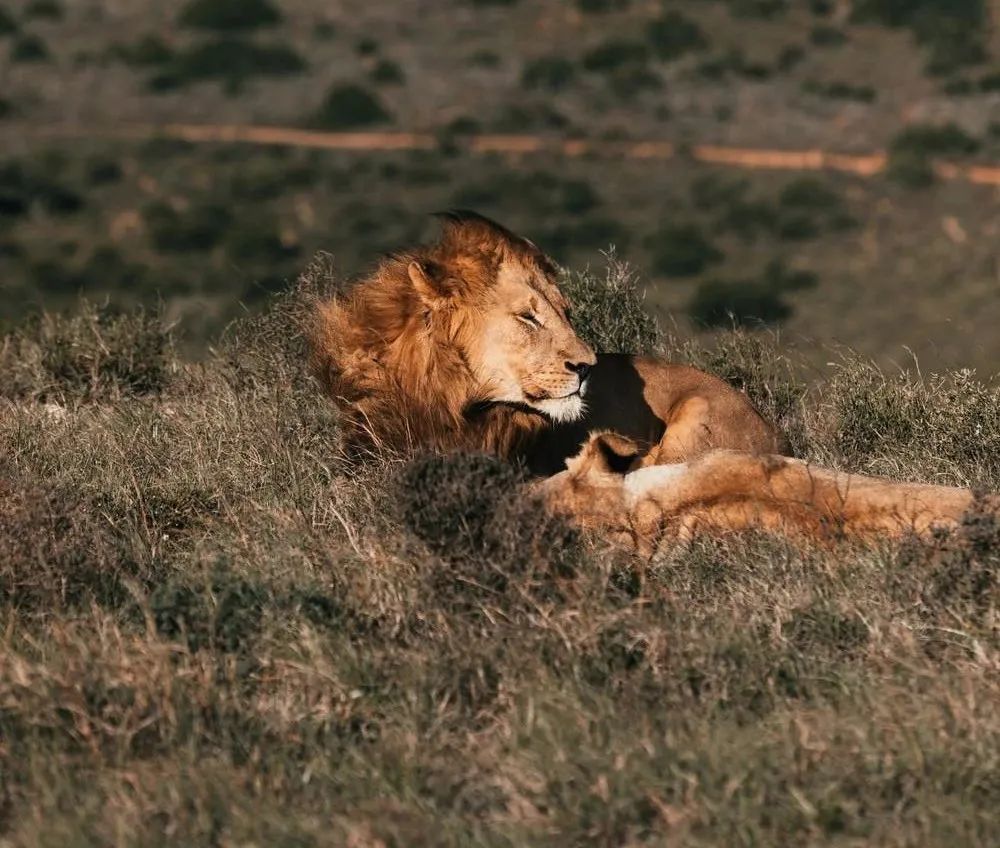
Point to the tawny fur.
(725, 491)
(403, 361)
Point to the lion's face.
(515, 336)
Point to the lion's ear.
(429, 283)
(605, 453)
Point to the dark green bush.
(50, 10)
(387, 72)
(8, 23)
(29, 48)
(103, 170)
(682, 250)
(231, 61)
(6, 109)
(672, 35)
(749, 302)
(613, 55)
(198, 228)
(349, 106)
(23, 185)
(911, 151)
(552, 73)
(766, 9)
(229, 14)
(600, 6)
(149, 50)
(827, 36)
(840, 91)
(726, 303)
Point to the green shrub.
(348, 106)
(8, 23)
(749, 302)
(726, 303)
(827, 36)
(103, 170)
(366, 46)
(231, 61)
(733, 62)
(23, 186)
(229, 14)
(613, 55)
(29, 48)
(672, 35)
(149, 50)
(682, 250)
(601, 6)
(608, 312)
(840, 91)
(387, 72)
(552, 73)
(790, 58)
(911, 151)
(48, 9)
(198, 228)
(758, 8)
(94, 355)
(7, 109)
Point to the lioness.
(466, 343)
(725, 490)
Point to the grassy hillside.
(217, 632)
(889, 265)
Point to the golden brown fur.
(466, 344)
(725, 491)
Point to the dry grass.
(215, 632)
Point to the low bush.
(229, 14)
(608, 312)
(94, 355)
(8, 23)
(231, 61)
(198, 228)
(148, 51)
(673, 35)
(552, 73)
(387, 72)
(50, 10)
(24, 185)
(911, 151)
(349, 106)
(840, 91)
(681, 250)
(29, 48)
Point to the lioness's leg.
(688, 434)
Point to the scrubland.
(219, 630)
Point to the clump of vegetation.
(148, 51)
(25, 185)
(50, 10)
(387, 72)
(229, 14)
(672, 35)
(840, 91)
(765, 9)
(94, 355)
(951, 32)
(912, 151)
(29, 48)
(232, 61)
(552, 73)
(827, 36)
(608, 311)
(8, 23)
(349, 106)
(601, 6)
(200, 227)
(750, 302)
(682, 250)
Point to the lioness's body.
(727, 491)
(672, 412)
(466, 344)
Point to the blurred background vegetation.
(900, 262)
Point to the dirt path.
(865, 165)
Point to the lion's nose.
(581, 369)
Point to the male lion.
(466, 343)
(724, 491)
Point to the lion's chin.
(560, 410)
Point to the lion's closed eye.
(529, 318)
